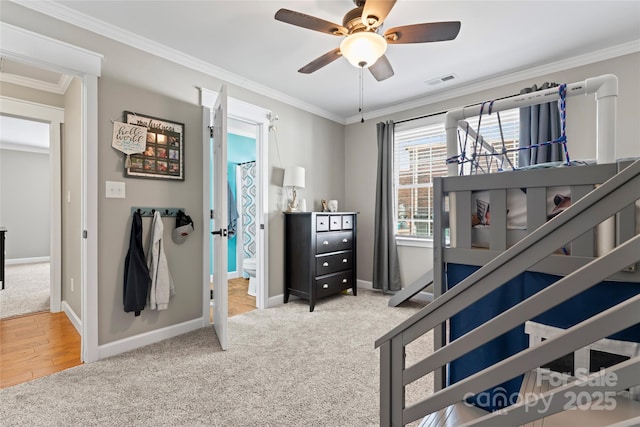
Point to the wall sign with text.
(163, 156)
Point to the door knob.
(222, 232)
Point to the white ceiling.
(244, 44)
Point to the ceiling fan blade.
(321, 61)
(375, 12)
(382, 69)
(423, 33)
(310, 22)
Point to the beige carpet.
(26, 289)
(285, 367)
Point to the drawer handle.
(344, 280)
(325, 264)
(325, 286)
(326, 242)
(344, 260)
(345, 240)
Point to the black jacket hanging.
(136, 272)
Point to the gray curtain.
(386, 266)
(539, 124)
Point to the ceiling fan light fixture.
(363, 49)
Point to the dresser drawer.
(347, 222)
(333, 283)
(334, 241)
(333, 263)
(335, 222)
(322, 223)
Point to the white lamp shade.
(293, 177)
(363, 49)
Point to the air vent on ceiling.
(441, 79)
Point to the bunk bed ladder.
(613, 196)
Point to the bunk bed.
(520, 201)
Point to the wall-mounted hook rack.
(152, 211)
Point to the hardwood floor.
(41, 344)
(239, 300)
(36, 345)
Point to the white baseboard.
(276, 300)
(33, 260)
(75, 320)
(364, 284)
(232, 275)
(151, 337)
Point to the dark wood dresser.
(319, 254)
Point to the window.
(420, 154)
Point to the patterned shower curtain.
(248, 209)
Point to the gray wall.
(361, 150)
(185, 260)
(24, 203)
(71, 188)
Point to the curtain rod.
(477, 103)
(244, 163)
(421, 117)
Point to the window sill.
(416, 242)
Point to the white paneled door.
(220, 221)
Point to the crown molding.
(58, 88)
(89, 23)
(530, 73)
(65, 81)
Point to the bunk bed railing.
(604, 87)
(611, 197)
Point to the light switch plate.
(115, 190)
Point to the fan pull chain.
(361, 106)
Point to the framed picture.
(163, 157)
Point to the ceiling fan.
(363, 46)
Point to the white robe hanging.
(161, 282)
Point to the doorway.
(30, 156)
(32, 317)
(242, 206)
(255, 122)
(34, 49)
